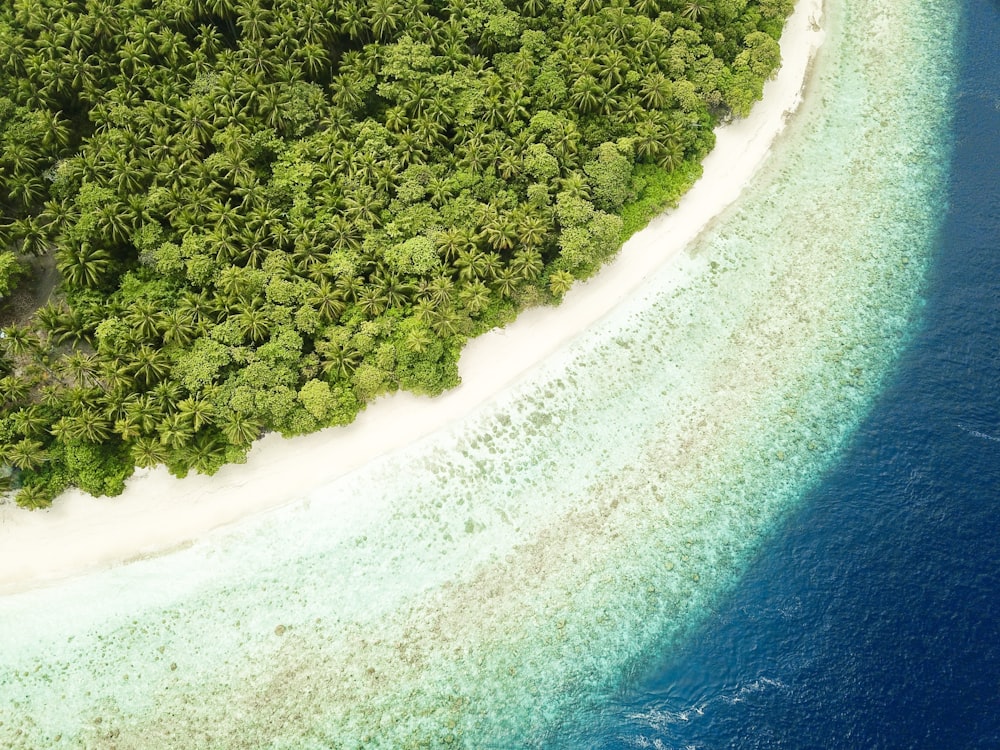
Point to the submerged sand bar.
(158, 512)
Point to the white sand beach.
(158, 512)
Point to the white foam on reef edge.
(158, 512)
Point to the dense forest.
(224, 217)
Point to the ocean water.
(537, 574)
(872, 617)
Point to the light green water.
(489, 586)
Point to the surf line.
(977, 433)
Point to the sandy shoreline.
(158, 512)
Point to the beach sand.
(158, 512)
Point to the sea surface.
(871, 618)
(753, 507)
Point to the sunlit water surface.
(496, 584)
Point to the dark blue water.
(872, 619)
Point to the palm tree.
(352, 19)
(453, 241)
(178, 328)
(206, 453)
(34, 238)
(613, 65)
(418, 98)
(446, 322)
(14, 390)
(254, 21)
(327, 299)
(509, 165)
(651, 40)
(111, 222)
(346, 91)
(31, 421)
(648, 141)
(339, 359)
(273, 108)
(532, 230)
(194, 120)
(474, 297)
(560, 282)
(672, 156)
(390, 287)
(648, 8)
(307, 253)
(128, 177)
(19, 341)
(89, 425)
(202, 309)
(440, 289)
(350, 287)
(166, 394)
(240, 429)
(565, 142)
(210, 40)
(116, 376)
(342, 234)
(254, 323)
(696, 10)
(527, 264)
(83, 265)
(144, 411)
(58, 213)
(472, 265)
(506, 282)
(149, 365)
(315, 60)
(175, 431)
(575, 185)
(516, 106)
(198, 412)
(145, 318)
(396, 119)
(78, 399)
(23, 189)
(148, 452)
(82, 368)
(417, 339)
(372, 301)
(586, 94)
(235, 285)
(440, 191)
(21, 158)
(656, 90)
(127, 428)
(225, 217)
(33, 497)
(409, 149)
(62, 429)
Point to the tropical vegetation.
(266, 213)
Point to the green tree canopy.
(265, 214)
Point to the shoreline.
(158, 513)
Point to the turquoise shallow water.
(492, 585)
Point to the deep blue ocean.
(872, 618)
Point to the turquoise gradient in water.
(490, 586)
